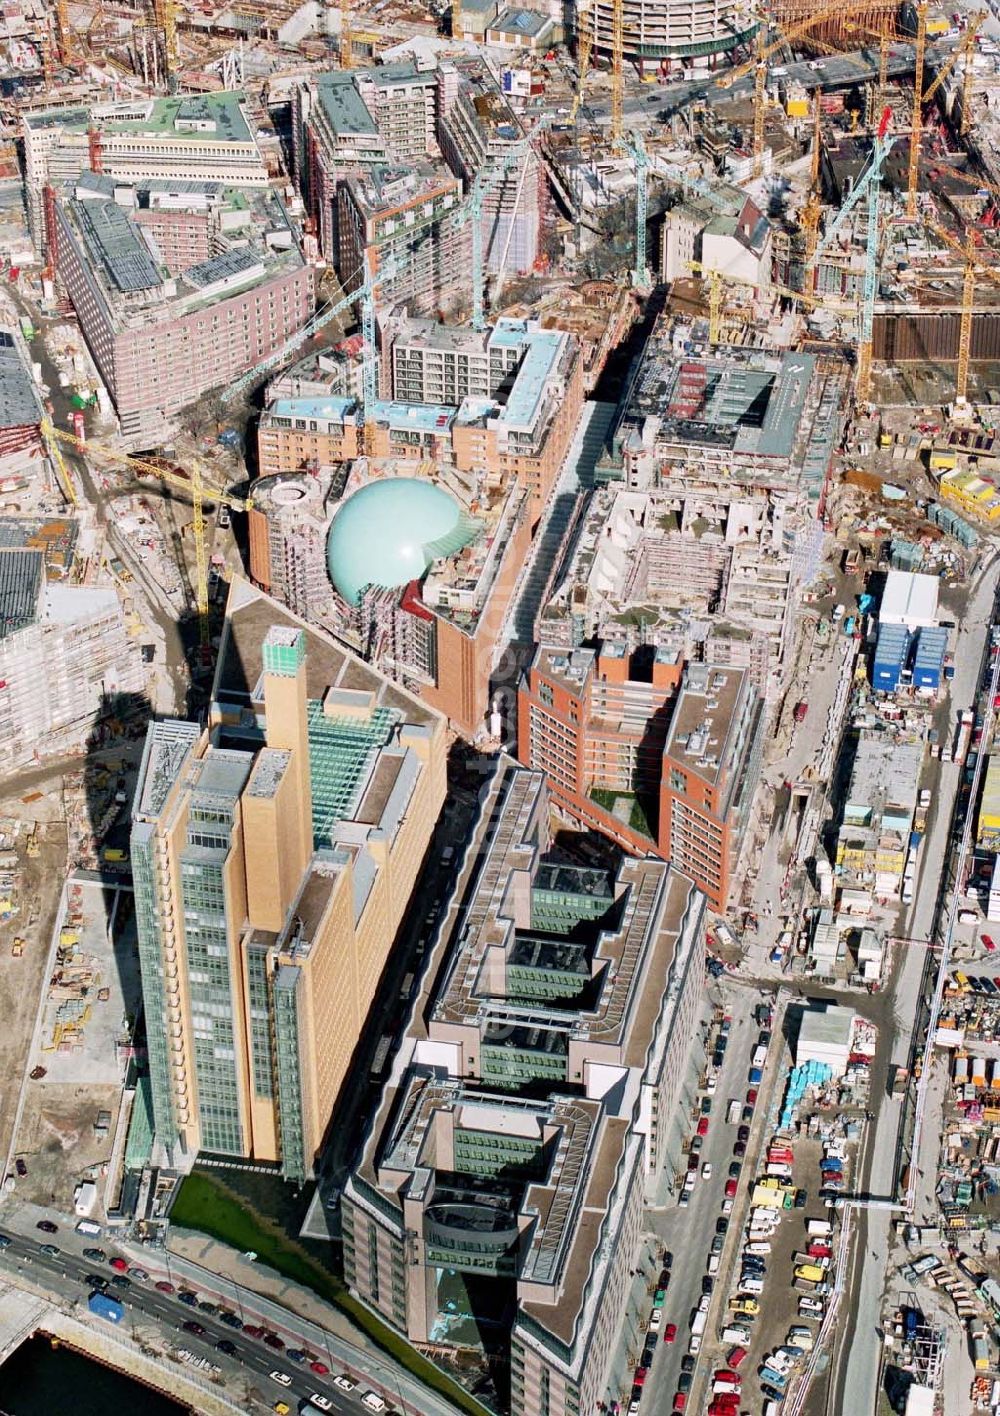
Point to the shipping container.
(106, 1307)
(891, 652)
(928, 661)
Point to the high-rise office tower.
(274, 856)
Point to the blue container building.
(928, 661)
(891, 650)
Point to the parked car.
(120, 1265)
(670, 1332)
(743, 1134)
(731, 1188)
(740, 1148)
(224, 1345)
(164, 1286)
(96, 1256)
(751, 1096)
(51, 1250)
(47, 1227)
(193, 1327)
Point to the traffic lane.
(141, 1297)
(225, 1292)
(690, 1231)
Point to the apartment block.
(711, 767)
(606, 725)
(186, 138)
(534, 1103)
(162, 337)
(405, 220)
(274, 856)
(66, 660)
(350, 127)
(445, 364)
(520, 433)
(288, 525)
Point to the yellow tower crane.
(456, 19)
(617, 72)
(584, 52)
(975, 263)
(165, 19)
(917, 117)
(194, 486)
(64, 31)
(347, 43)
(813, 207)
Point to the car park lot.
(690, 1229)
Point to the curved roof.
(389, 532)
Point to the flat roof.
(208, 117)
(703, 719)
(345, 109)
(909, 598)
(21, 583)
(542, 350)
(19, 405)
(113, 241)
(333, 408)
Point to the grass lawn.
(208, 1206)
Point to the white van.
(757, 1246)
(373, 1402)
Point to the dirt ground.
(22, 979)
(58, 1142)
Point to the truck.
(800, 711)
(733, 1112)
(963, 735)
(980, 1351)
(102, 1305)
(89, 1226)
(759, 1056)
(381, 1055)
(698, 1323)
(817, 1227)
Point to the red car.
(680, 1400)
(320, 1368)
(273, 1340)
(164, 1286)
(703, 1126)
(736, 1357)
(752, 1097)
(988, 942)
(640, 1376)
(670, 1332)
(730, 1189)
(119, 1265)
(252, 1330)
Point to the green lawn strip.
(207, 1206)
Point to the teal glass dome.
(389, 532)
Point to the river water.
(40, 1380)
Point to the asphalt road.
(689, 1232)
(856, 1375)
(63, 1277)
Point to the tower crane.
(195, 487)
(811, 211)
(584, 52)
(869, 186)
(917, 117)
(617, 71)
(165, 13)
(347, 43)
(64, 32)
(963, 50)
(640, 270)
(974, 264)
(871, 173)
